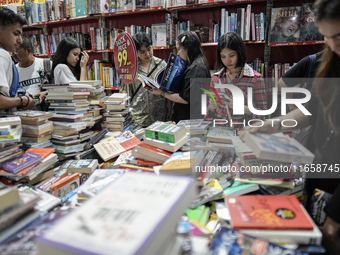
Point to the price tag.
(125, 58)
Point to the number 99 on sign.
(122, 56)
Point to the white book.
(248, 15)
(227, 22)
(117, 220)
(165, 145)
(280, 148)
(223, 12)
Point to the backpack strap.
(149, 74)
(47, 65)
(312, 60)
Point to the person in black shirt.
(325, 119)
(189, 48)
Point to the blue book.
(262, 24)
(232, 22)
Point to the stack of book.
(36, 128)
(196, 127)
(165, 136)
(10, 130)
(117, 113)
(29, 165)
(16, 211)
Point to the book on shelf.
(231, 239)
(285, 24)
(282, 212)
(127, 196)
(309, 28)
(280, 148)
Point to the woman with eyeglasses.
(69, 62)
(187, 103)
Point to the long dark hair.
(60, 57)
(328, 91)
(232, 41)
(191, 41)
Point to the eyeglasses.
(16, 52)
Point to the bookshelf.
(290, 52)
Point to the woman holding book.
(231, 61)
(146, 108)
(189, 48)
(69, 62)
(324, 107)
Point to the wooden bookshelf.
(281, 44)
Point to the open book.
(167, 78)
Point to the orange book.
(103, 74)
(45, 152)
(153, 151)
(130, 143)
(282, 212)
(65, 185)
(129, 166)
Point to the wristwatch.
(162, 95)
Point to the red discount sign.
(125, 58)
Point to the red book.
(153, 151)
(130, 143)
(267, 212)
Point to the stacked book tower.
(36, 128)
(71, 116)
(117, 114)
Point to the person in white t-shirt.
(69, 62)
(29, 68)
(10, 39)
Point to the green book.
(239, 188)
(165, 132)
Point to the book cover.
(141, 162)
(309, 28)
(65, 185)
(81, 165)
(173, 73)
(182, 163)
(108, 150)
(282, 212)
(220, 134)
(232, 240)
(285, 24)
(112, 220)
(22, 162)
(280, 148)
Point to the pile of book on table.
(71, 114)
(36, 128)
(117, 114)
(10, 130)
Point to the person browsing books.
(10, 38)
(145, 107)
(189, 48)
(29, 68)
(231, 60)
(324, 107)
(303, 72)
(69, 62)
